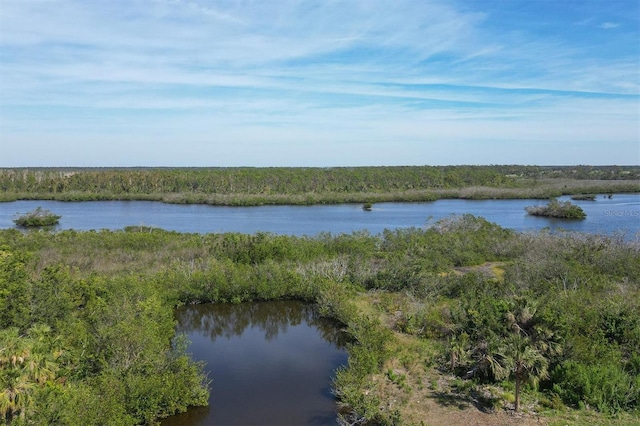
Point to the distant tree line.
(296, 185)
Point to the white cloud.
(303, 74)
(608, 25)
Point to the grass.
(570, 416)
(522, 189)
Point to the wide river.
(618, 215)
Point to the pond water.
(271, 363)
(620, 214)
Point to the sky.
(325, 83)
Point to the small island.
(557, 209)
(584, 197)
(37, 218)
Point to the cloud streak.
(306, 75)
(608, 25)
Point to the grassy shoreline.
(541, 191)
(304, 186)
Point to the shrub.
(558, 209)
(37, 217)
(606, 387)
(584, 197)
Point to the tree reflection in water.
(270, 363)
(272, 318)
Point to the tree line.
(281, 185)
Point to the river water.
(271, 363)
(618, 215)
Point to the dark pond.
(271, 363)
(620, 214)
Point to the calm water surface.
(271, 363)
(621, 214)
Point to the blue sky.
(319, 83)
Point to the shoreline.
(247, 186)
(541, 192)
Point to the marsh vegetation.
(37, 218)
(463, 317)
(557, 209)
(279, 185)
(584, 197)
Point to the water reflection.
(270, 362)
(271, 318)
(194, 416)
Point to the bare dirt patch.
(421, 395)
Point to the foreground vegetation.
(461, 317)
(255, 186)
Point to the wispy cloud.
(608, 25)
(307, 73)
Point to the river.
(618, 215)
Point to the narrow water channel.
(271, 363)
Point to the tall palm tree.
(521, 347)
(530, 345)
(523, 319)
(523, 361)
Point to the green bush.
(37, 218)
(584, 197)
(605, 387)
(558, 209)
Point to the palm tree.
(458, 350)
(526, 351)
(26, 361)
(17, 396)
(523, 361)
(521, 347)
(523, 320)
(14, 351)
(488, 359)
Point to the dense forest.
(463, 312)
(252, 186)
